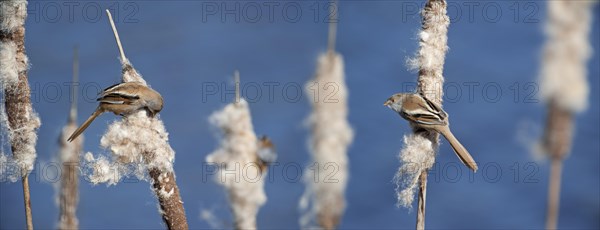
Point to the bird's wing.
(118, 98)
(126, 88)
(435, 108)
(121, 93)
(108, 89)
(423, 117)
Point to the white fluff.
(324, 199)
(433, 45)
(418, 152)
(418, 155)
(17, 13)
(236, 160)
(9, 71)
(69, 150)
(130, 74)
(209, 217)
(139, 139)
(137, 143)
(563, 76)
(23, 138)
(100, 170)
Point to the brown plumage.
(266, 153)
(123, 99)
(423, 113)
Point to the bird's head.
(395, 101)
(154, 102)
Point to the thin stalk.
(23, 122)
(422, 200)
(557, 141)
(73, 112)
(332, 33)
(27, 199)
(554, 193)
(163, 181)
(116, 33)
(435, 24)
(236, 77)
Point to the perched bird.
(266, 153)
(123, 99)
(425, 114)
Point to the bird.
(123, 99)
(266, 153)
(425, 114)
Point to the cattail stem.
(27, 199)
(554, 193)
(435, 23)
(73, 112)
(173, 213)
(239, 148)
(557, 141)
(163, 178)
(419, 150)
(68, 195)
(332, 33)
(564, 86)
(22, 120)
(116, 33)
(324, 201)
(422, 200)
(236, 77)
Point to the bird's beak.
(388, 103)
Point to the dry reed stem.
(23, 122)
(557, 143)
(68, 191)
(138, 135)
(236, 77)
(554, 194)
(69, 157)
(333, 21)
(420, 148)
(324, 202)
(434, 44)
(238, 168)
(27, 200)
(563, 85)
(422, 200)
(171, 205)
(331, 136)
(240, 151)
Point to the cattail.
(237, 155)
(323, 200)
(68, 195)
(563, 85)
(143, 142)
(23, 122)
(420, 148)
(240, 161)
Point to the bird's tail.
(85, 125)
(459, 149)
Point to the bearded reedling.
(423, 113)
